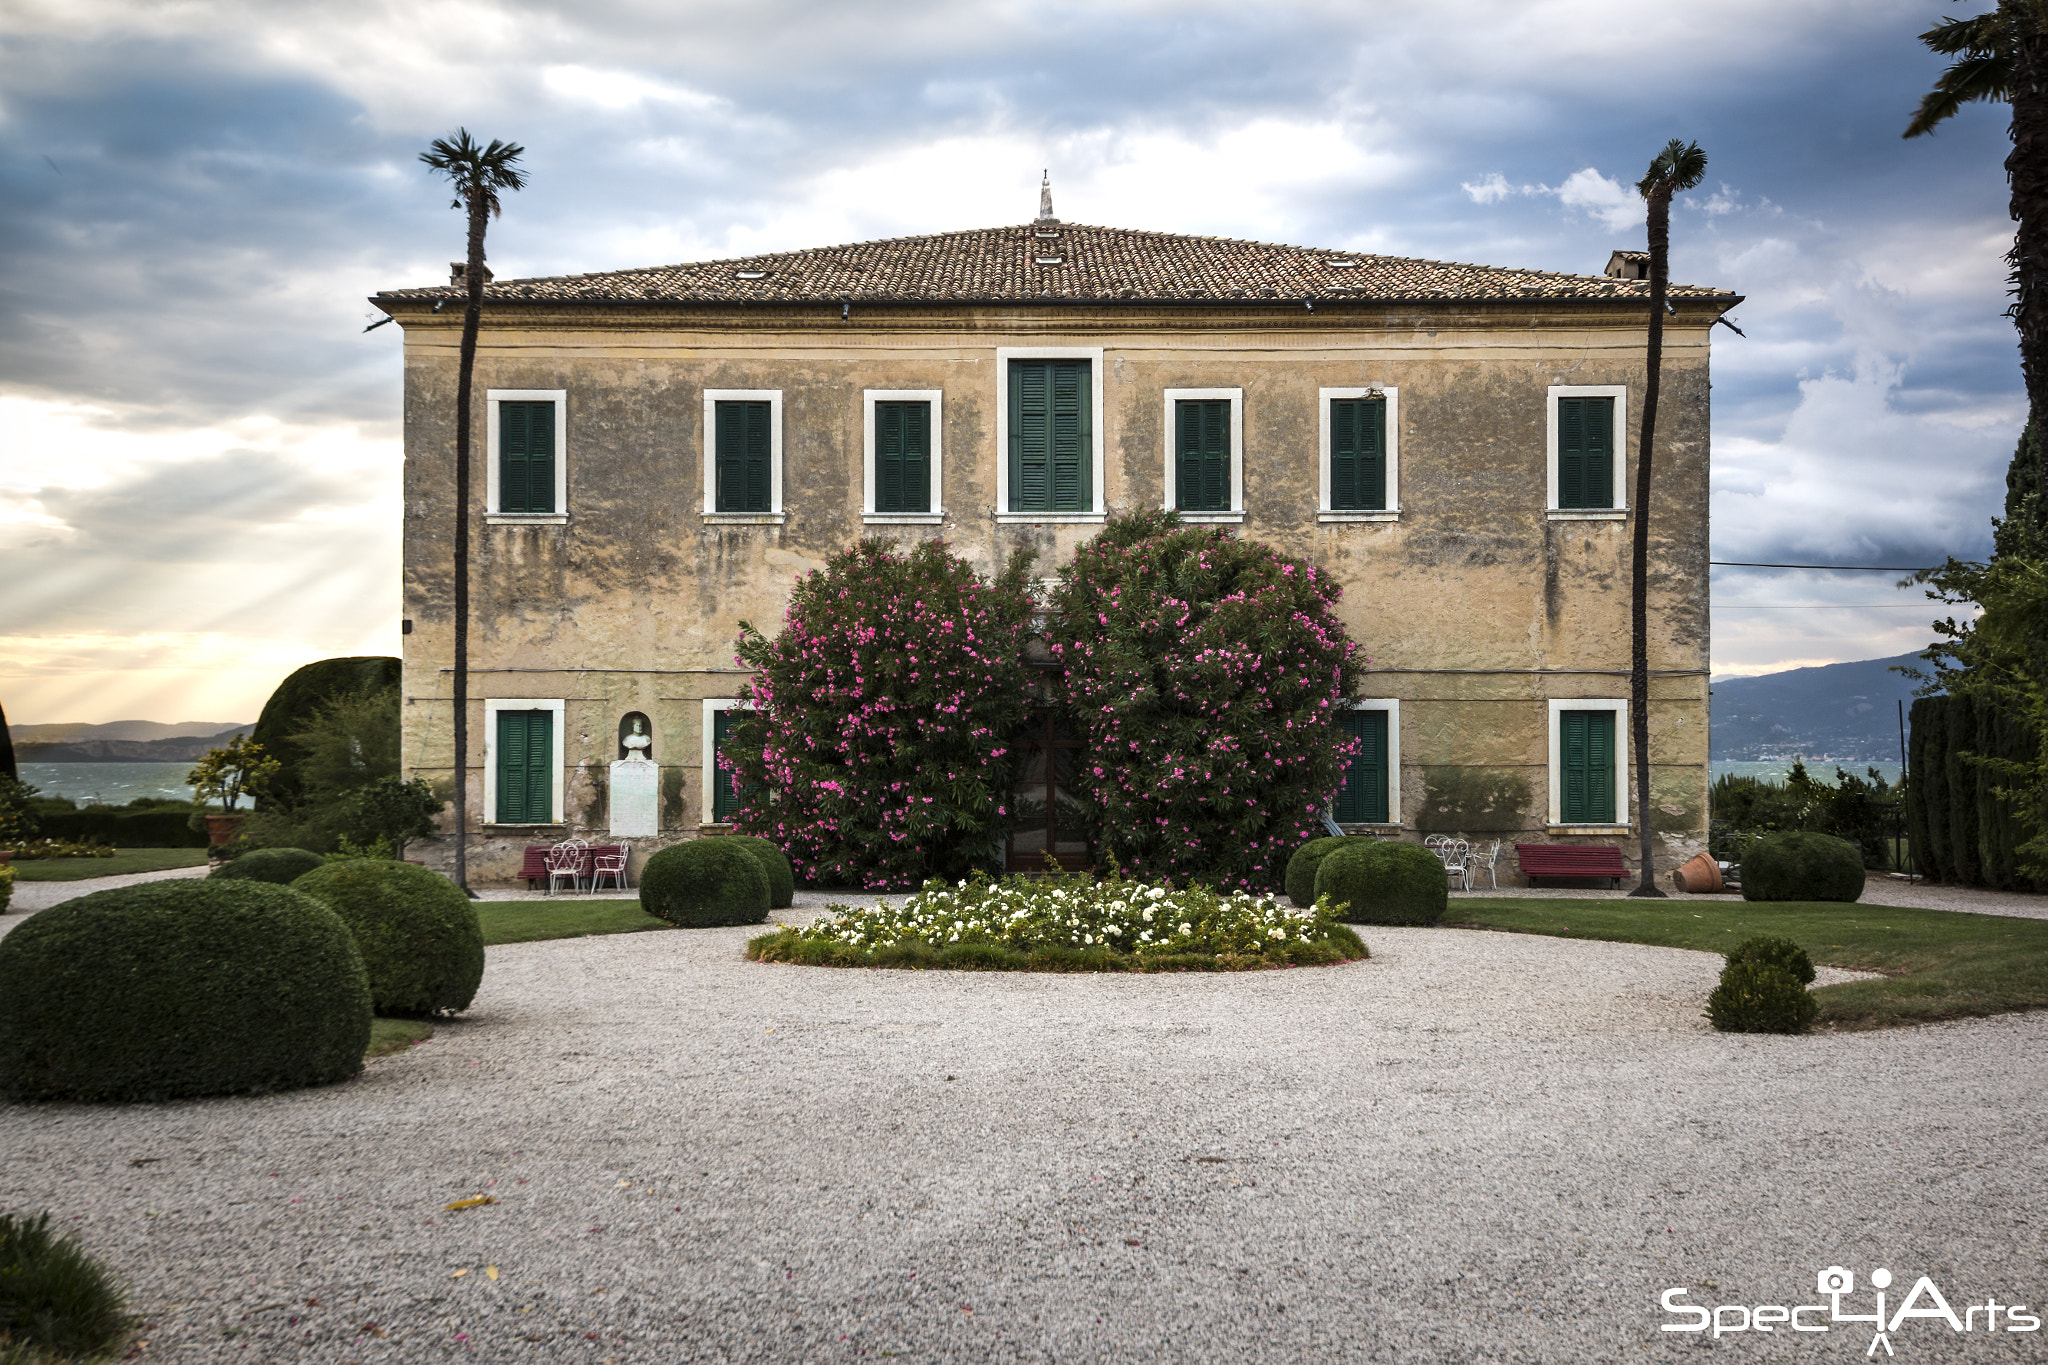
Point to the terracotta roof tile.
(1078, 264)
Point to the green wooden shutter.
(1051, 436)
(1358, 454)
(526, 457)
(744, 458)
(1585, 452)
(903, 457)
(1586, 747)
(1202, 455)
(1362, 799)
(725, 797)
(526, 754)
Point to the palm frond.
(1969, 80)
(477, 172)
(1980, 34)
(1680, 166)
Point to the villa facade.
(660, 452)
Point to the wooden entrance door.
(1048, 811)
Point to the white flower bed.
(1027, 913)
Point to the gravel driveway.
(1475, 1146)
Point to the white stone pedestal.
(635, 799)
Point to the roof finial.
(1045, 212)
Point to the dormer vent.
(1628, 265)
(458, 273)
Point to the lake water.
(1775, 770)
(112, 784)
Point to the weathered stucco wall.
(1476, 607)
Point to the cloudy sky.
(199, 448)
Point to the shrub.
(781, 876)
(177, 988)
(278, 866)
(31, 850)
(54, 1295)
(1204, 671)
(298, 702)
(1301, 868)
(7, 876)
(880, 749)
(703, 883)
(1756, 997)
(1375, 881)
(1023, 923)
(1781, 953)
(420, 938)
(1796, 866)
(125, 828)
(18, 817)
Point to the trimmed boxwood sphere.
(704, 882)
(278, 866)
(419, 935)
(1781, 953)
(1757, 997)
(1797, 866)
(1301, 868)
(781, 876)
(1385, 882)
(177, 988)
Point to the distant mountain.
(100, 749)
(1848, 713)
(122, 729)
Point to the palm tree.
(478, 174)
(1680, 166)
(2003, 56)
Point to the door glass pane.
(1072, 811)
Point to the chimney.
(458, 272)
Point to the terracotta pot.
(1698, 874)
(6, 856)
(221, 829)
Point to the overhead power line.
(1840, 568)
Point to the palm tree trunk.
(1639, 569)
(472, 320)
(2026, 169)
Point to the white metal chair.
(611, 865)
(1457, 859)
(566, 860)
(1487, 862)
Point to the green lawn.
(396, 1035)
(562, 917)
(124, 860)
(1937, 964)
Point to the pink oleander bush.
(1205, 672)
(879, 750)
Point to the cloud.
(182, 297)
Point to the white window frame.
(494, 517)
(1392, 511)
(1619, 706)
(868, 399)
(774, 515)
(492, 706)
(1236, 397)
(1006, 354)
(1393, 709)
(712, 706)
(1619, 393)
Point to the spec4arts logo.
(1924, 1301)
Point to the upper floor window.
(1205, 453)
(1049, 409)
(528, 470)
(901, 446)
(1360, 454)
(1586, 430)
(743, 454)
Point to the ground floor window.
(1363, 797)
(1048, 811)
(523, 766)
(1588, 761)
(722, 790)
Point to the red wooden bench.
(534, 868)
(1572, 860)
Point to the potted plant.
(226, 775)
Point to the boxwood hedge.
(278, 866)
(1377, 881)
(419, 935)
(705, 882)
(177, 988)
